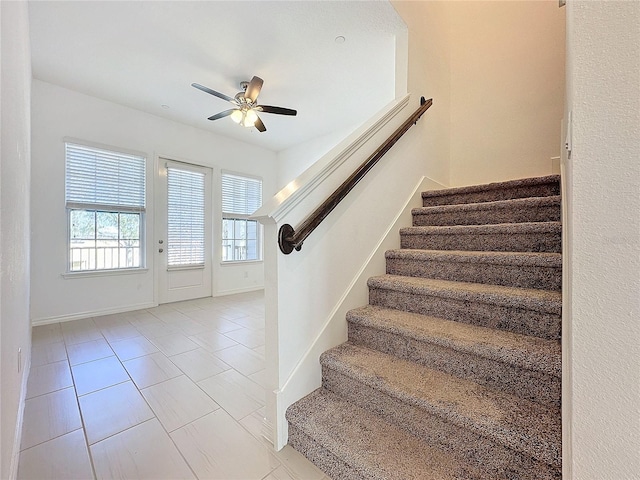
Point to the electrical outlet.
(19, 360)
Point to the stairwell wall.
(601, 394)
(507, 89)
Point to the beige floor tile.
(281, 473)
(248, 337)
(158, 329)
(89, 351)
(297, 464)
(42, 334)
(191, 327)
(178, 401)
(49, 416)
(45, 353)
(213, 340)
(251, 321)
(243, 359)
(171, 316)
(174, 344)
(98, 374)
(219, 324)
(48, 378)
(253, 423)
(80, 331)
(142, 317)
(113, 410)
(259, 378)
(260, 350)
(199, 364)
(235, 393)
(63, 458)
(142, 452)
(133, 347)
(120, 332)
(151, 369)
(216, 447)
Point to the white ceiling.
(145, 54)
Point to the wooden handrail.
(290, 239)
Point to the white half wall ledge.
(296, 191)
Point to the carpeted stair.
(453, 370)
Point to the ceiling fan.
(246, 108)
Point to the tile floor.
(170, 392)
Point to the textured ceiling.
(146, 54)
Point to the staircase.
(453, 370)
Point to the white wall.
(507, 89)
(59, 113)
(602, 385)
(15, 330)
(295, 160)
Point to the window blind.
(104, 180)
(185, 221)
(240, 195)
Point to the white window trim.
(70, 274)
(223, 215)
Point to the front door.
(183, 231)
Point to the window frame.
(242, 217)
(95, 208)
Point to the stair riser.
(517, 320)
(491, 274)
(518, 214)
(499, 461)
(530, 385)
(321, 457)
(507, 242)
(543, 190)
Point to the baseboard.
(95, 313)
(235, 291)
(17, 438)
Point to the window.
(185, 218)
(105, 199)
(241, 196)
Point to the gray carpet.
(453, 370)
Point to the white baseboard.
(95, 313)
(17, 438)
(235, 291)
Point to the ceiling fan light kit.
(246, 105)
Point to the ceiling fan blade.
(213, 92)
(253, 89)
(226, 113)
(260, 126)
(277, 110)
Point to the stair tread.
(518, 424)
(373, 447)
(497, 228)
(493, 205)
(493, 186)
(537, 259)
(527, 298)
(524, 351)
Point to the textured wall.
(603, 183)
(507, 89)
(15, 329)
